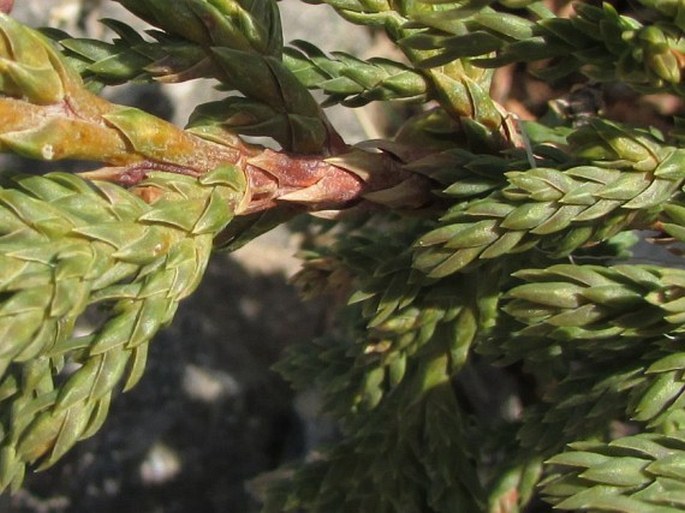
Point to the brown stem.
(305, 180)
(312, 183)
(132, 143)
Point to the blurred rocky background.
(210, 414)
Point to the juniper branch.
(114, 248)
(632, 473)
(354, 82)
(412, 471)
(574, 303)
(606, 46)
(397, 322)
(238, 43)
(44, 124)
(459, 86)
(69, 243)
(402, 317)
(131, 57)
(559, 211)
(250, 25)
(587, 399)
(639, 381)
(171, 59)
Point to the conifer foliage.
(494, 350)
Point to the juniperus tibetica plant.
(496, 347)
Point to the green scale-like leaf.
(606, 46)
(403, 319)
(354, 82)
(384, 465)
(568, 302)
(634, 473)
(237, 43)
(556, 210)
(113, 248)
(252, 25)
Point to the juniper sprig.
(625, 184)
(69, 242)
(571, 302)
(486, 348)
(92, 244)
(631, 473)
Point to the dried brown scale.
(313, 182)
(325, 183)
(133, 174)
(273, 176)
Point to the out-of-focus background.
(210, 414)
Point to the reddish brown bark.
(333, 183)
(308, 182)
